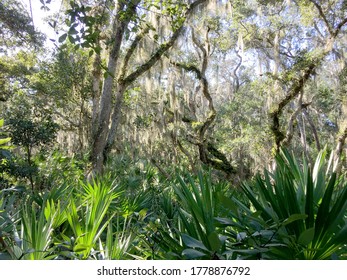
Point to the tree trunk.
(96, 94)
(100, 137)
(104, 138)
(116, 115)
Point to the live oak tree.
(272, 68)
(130, 24)
(16, 27)
(30, 130)
(16, 33)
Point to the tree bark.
(208, 153)
(118, 29)
(96, 94)
(338, 151)
(313, 128)
(107, 127)
(115, 120)
(307, 67)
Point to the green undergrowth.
(297, 211)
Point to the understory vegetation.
(173, 129)
(295, 212)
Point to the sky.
(39, 15)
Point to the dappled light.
(173, 130)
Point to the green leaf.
(341, 236)
(224, 221)
(309, 201)
(72, 31)
(306, 236)
(214, 241)
(227, 203)
(324, 207)
(62, 38)
(143, 213)
(5, 140)
(192, 242)
(192, 254)
(294, 217)
(72, 39)
(81, 248)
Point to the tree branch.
(299, 83)
(290, 129)
(321, 13)
(338, 151)
(313, 128)
(208, 153)
(339, 26)
(131, 50)
(294, 91)
(162, 48)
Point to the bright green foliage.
(16, 26)
(295, 212)
(87, 220)
(117, 244)
(5, 156)
(35, 235)
(303, 209)
(29, 133)
(198, 202)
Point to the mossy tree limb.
(208, 153)
(109, 112)
(306, 66)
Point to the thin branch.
(200, 76)
(290, 129)
(131, 50)
(31, 13)
(203, 50)
(313, 128)
(339, 26)
(208, 153)
(338, 151)
(321, 13)
(187, 154)
(162, 48)
(162, 170)
(295, 90)
(237, 80)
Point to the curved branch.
(290, 129)
(294, 91)
(235, 71)
(162, 48)
(208, 153)
(321, 13)
(131, 51)
(299, 83)
(313, 128)
(339, 149)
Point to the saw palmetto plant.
(302, 208)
